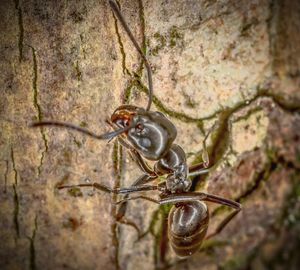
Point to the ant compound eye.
(126, 122)
(139, 127)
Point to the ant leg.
(121, 211)
(201, 168)
(222, 225)
(145, 178)
(193, 196)
(138, 184)
(210, 198)
(189, 197)
(107, 189)
(138, 197)
(138, 158)
(136, 155)
(197, 196)
(199, 172)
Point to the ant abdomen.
(188, 224)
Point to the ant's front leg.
(138, 159)
(203, 167)
(136, 156)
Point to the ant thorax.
(178, 184)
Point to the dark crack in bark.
(5, 175)
(32, 250)
(220, 137)
(16, 210)
(16, 196)
(139, 71)
(12, 155)
(21, 29)
(78, 72)
(122, 50)
(114, 210)
(38, 107)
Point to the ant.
(150, 135)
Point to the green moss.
(236, 263)
(174, 36)
(78, 143)
(170, 39)
(78, 72)
(298, 156)
(161, 43)
(209, 245)
(122, 50)
(75, 192)
(291, 215)
(83, 124)
(189, 102)
(128, 92)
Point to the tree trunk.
(232, 64)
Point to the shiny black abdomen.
(188, 224)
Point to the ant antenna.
(117, 12)
(105, 136)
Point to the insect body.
(149, 135)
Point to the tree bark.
(232, 64)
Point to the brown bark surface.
(234, 63)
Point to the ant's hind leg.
(188, 197)
(192, 196)
(222, 225)
(137, 185)
(197, 196)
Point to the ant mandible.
(150, 135)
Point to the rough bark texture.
(236, 63)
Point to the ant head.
(152, 134)
(122, 116)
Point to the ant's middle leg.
(107, 189)
(120, 216)
(138, 185)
